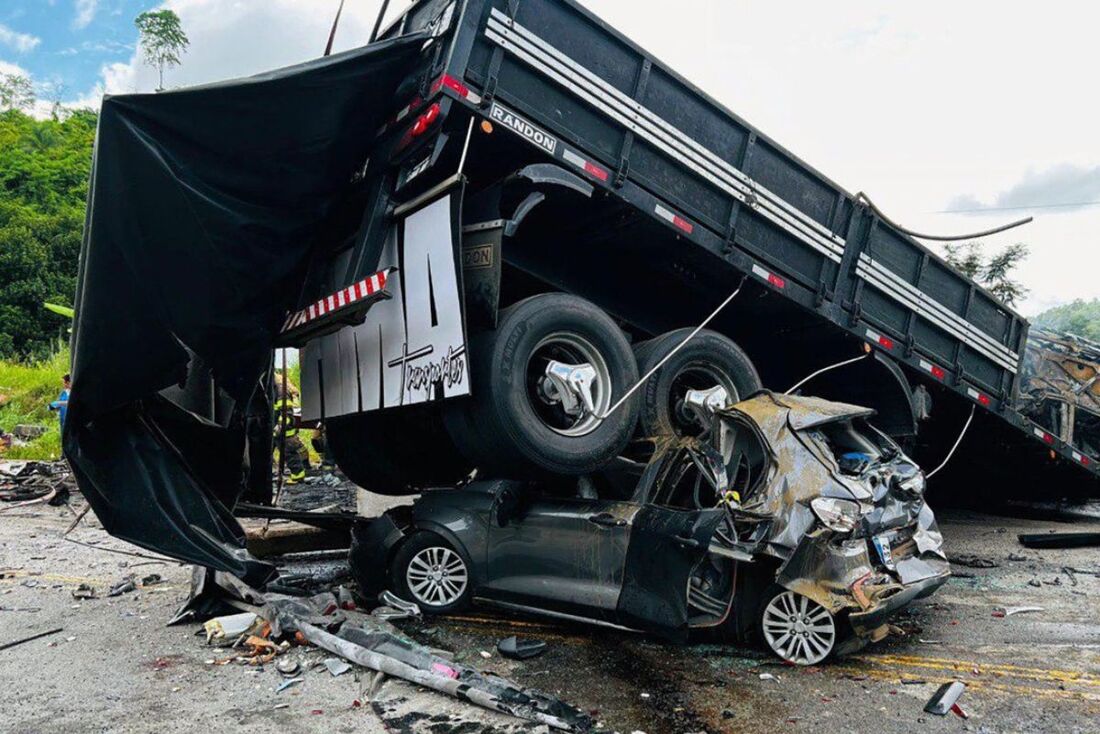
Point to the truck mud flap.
(205, 207)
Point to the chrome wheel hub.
(437, 576)
(569, 384)
(798, 629)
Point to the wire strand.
(951, 453)
(939, 238)
(668, 356)
(812, 375)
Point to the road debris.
(84, 591)
(288, 667)
(394, 607)
(31, 638)
(1059, 540)
(336, 666)
(517, 649)
(1009, 611)
(374, 643)
(288, 683)
(123, 587)
(946, 699)
(972, 561)
(221, 630)
(34, 482)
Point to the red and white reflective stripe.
(1079, 457)
(404, 112)
(341, 298)
(449, 82)
(1047, 438)
(768, 276)
(584, 164)
(877, 338)
(980, 397)
(674, 219)
(933, 369)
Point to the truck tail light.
(425, 121)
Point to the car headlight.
(912, 485)
(838, 515)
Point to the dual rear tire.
(521, 422)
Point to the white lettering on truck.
(525, 129)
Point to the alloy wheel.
(798, 629)
(437, 576)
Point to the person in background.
(286, 431)
(61, 405)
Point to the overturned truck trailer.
(481, 231)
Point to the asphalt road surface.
(116, 667)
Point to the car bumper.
(866, 622)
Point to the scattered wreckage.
(793, 520)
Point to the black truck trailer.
(509, 241)
(574, 163)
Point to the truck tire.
(515, 424)
(707, 361)
(396, 452)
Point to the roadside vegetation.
(26, 389)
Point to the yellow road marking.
(12, 575)
(975, 684)
(1004, 669)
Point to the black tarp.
(204, 206)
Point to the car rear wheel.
(541, 380)
(428, 570)
(710, 367)
(796, 628)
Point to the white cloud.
(20, 42)
(85, 13)
(915, 103)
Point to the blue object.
(61, 405)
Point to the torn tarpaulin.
(204, 207)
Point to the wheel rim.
(574, 350)
(437, 576)
(695, 376)
(798, 629)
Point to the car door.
(561, 554)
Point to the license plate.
(882, 545)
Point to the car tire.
(708, 360)
(421, 555)
(511, 426)
(396, 452)
(795, 628)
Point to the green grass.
(27, 391)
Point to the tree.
(995, 273)
(44, 169)
(1081, 318)
(16, 92)
(162, 40)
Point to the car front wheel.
(796, 628)
(429, 571)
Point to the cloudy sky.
(953, 116)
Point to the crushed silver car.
(791, 521)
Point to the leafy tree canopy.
(1081, 318)
(44, 169)
(163, 40)
(994, 272)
